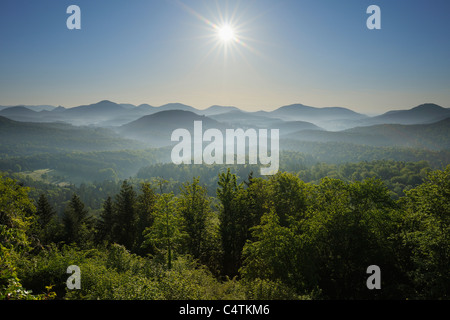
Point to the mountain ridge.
(106, 113)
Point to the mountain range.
(109, 114)
(424, 126)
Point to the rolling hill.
(307, 113)
(28, 137)
(289, 119)
(422, 114)
(19, 113)
(156, 129)
(434, 136)
(215, 110)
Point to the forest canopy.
(255, 238)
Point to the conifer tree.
(47, 226)
(229, 218)
(106, 221)
(77, 222)
(125, 216)
(146, 202)
(44, 211)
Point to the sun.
(226, 33)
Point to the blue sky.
(315, 52)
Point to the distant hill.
(145, 109)
(422, 114)
(307, 113)
(329, 118)
(176, 106)
(156, 129)
(215, 110)
(18, 110)
(128, 105)
(28, 138)
(245, 120)
(238, 118)
(106, 113)
(19, 113)
(81, 115)
(97, 109)
(434, 136)
(94, 114)
(36, 108)
(288, 127)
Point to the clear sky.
(314, 52)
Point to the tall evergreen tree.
(229, 218)
(106, 221)
(44, 211)
(47, 227)
(125, 216)
(77, 222)
(146, 202)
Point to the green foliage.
(16, 240)
(426, 233)
(78, 225)
(230, 217)
(198, 220)
(350, 229)
(263, 289)
(165, 234)
(25, 138)
(78, 167)
(324, 236)
(277, 238)
(125, 216)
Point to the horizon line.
(217, 105)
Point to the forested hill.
(433, 136)
(25, 138)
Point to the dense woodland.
(308, 233)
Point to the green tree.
(106, 222)
(288, 196)
(352, 227)
(45, 211)
(194, 206)
(165, 234)
(272, 253)
(48, 224)
(279, 249)
(229, 217)
(426, 236)
(125, 216)
(78, 224)
(146, 202)
(16, 220)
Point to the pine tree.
(146, 202)
(106, 222)
(125, 216)
(229, 218)
(47, 228)
(44, 211)
(77, 223)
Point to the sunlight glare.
(226, 33)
